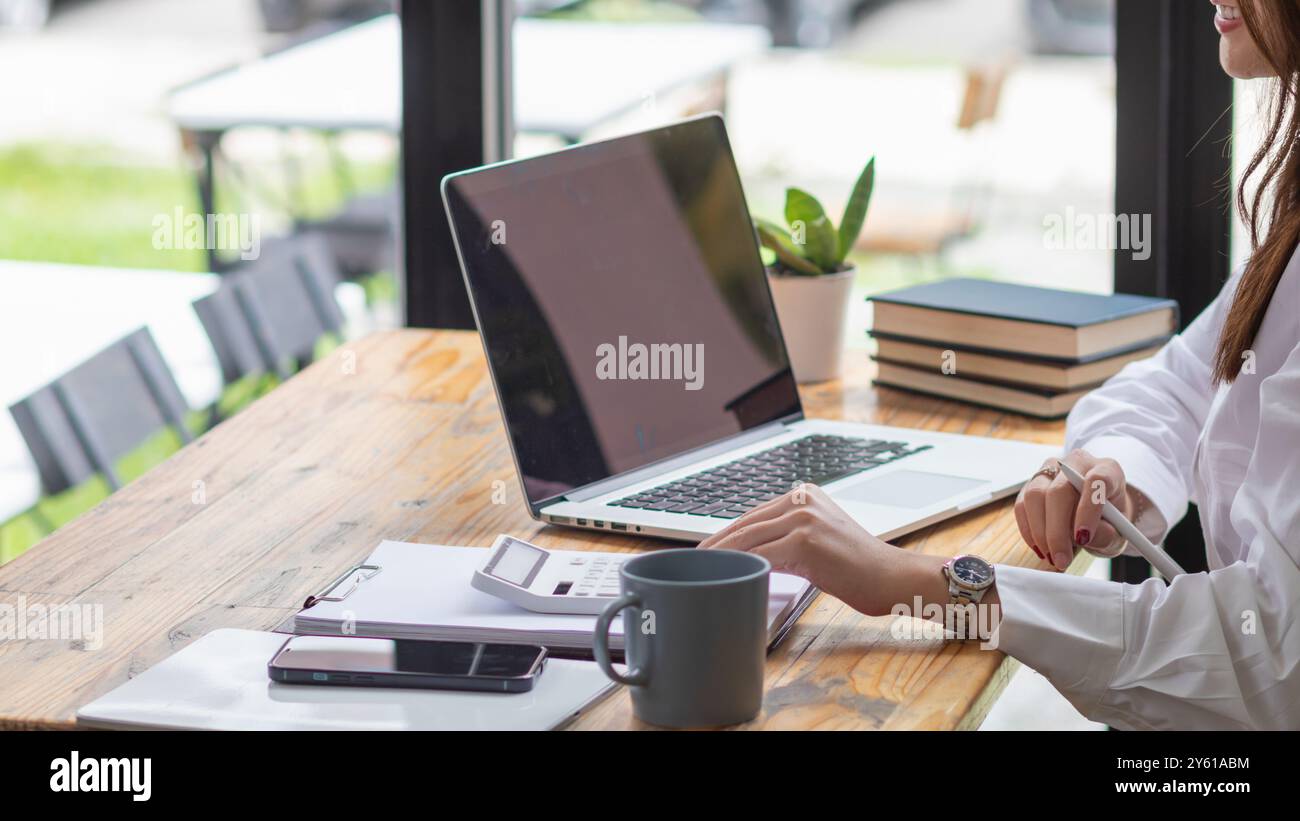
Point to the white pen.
(1159, 559)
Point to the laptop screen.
(622, 301)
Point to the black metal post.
(1173, 161)
(443, 130)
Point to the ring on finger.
(1049, 471)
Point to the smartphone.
(437, 665)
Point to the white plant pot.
(813, 311)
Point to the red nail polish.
(1082, 537)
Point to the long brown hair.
(1276, 32)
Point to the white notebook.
(219, 682)
(423, 592)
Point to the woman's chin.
(1242, 63)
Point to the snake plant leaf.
(775, 238)
(855, 213)
(820, 242)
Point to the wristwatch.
(969, 578)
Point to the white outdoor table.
(568, 76)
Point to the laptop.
(639, 364)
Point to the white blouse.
(1216, 650)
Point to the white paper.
(428, 586)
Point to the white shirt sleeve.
(1149, 416)
(1218, 650)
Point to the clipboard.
(359, 573)
(423, 592)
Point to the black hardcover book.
(1030, 321)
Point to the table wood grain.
(397, 436)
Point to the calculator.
(545, 582)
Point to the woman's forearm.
(910, 575)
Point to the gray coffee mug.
(695, 636)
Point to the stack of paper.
(423, 592)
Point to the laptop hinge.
(613, 483)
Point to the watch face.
(972, 571)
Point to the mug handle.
(634, 678)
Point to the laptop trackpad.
(909, 489)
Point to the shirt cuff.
(1146, 471)
(1068, 628)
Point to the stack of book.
(1031, 350)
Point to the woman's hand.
(807, 534)
(1055, 519)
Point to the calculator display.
(516, 562)
(566, 582)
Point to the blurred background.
(122, 119)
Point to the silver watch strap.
(959, 597)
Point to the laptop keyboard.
(733, 489)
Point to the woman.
(1213, 418)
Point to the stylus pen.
(1159, 559)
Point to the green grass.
(84, 205)
(90, 205)
(625, 11)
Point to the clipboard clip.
(358, 573)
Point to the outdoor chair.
(82, 423)
(269, 314)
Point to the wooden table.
(397, 436)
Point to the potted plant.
(810, 281)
